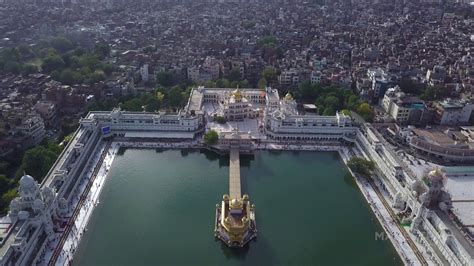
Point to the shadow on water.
(240, 254)
(266, 170)
(161, 150)
(237, 253)
(121, 151)
(349, 180)
(275, 152)
(213, 156)
(246, 159)
(186, 152)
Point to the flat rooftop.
(195, 100)
(159, 135)
(434, 135)
(461, 189)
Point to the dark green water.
(157, 208)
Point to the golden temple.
(235, 221)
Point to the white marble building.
(283, 122)
(40, 209)
(31, 222)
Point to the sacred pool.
(158, 208)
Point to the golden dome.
(225, 197)
(288, 97)
(435, 174)
(235, 203)
(237, 94)
(245, 197)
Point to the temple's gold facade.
(235, 221)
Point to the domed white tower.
(47, 194)
(38, 205)
(29, 188)
(15, 207)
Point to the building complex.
(41, 213)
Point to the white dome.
(48, 192)
(14, 204)
(27, 182)
(38, 204)
(23, 215)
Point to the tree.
(346, 112)
(102, 50)
(270, 74)
(68, 138)
(149, 49)
(160, 95)
(408, 85)
(4, 166)
(10, 55)
(306, 90)
(223, 83)
(62, 44)
(12, 67)
(352, 102)
(37, 161)
(5, 183)
(133, 105)
(106, 105)
(433, 93)
(243, 83)
(24, 50)
(53, 62)
(361, 166)
(234, 75)
(67, 77)
(78, 51)
(332, 102)
(90, 61)
(96, 77)
(175, 97)
(211, 137)
(152, 105)
(151, 102)
(329, 111)
(56, 75)
(366, 112)
(165, 79)
(268, 41)
(28, 69)
(262, 83)
(270, 49)
(108, 69)
(6, 198)
(219, 119)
